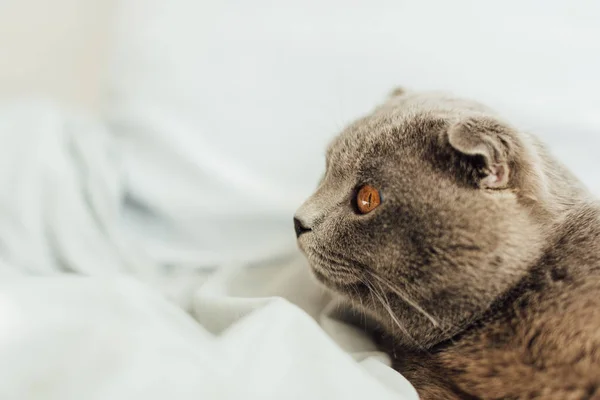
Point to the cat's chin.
(339, 281)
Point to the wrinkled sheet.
(87, 312)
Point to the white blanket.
(108, 335)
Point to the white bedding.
(213, 133)
(128, 326)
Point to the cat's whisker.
(386, 305)
(333, 259)
(358, 296)
(370, 290)
(410, 302)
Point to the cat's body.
(482, 262)
(541, 340)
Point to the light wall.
(54, 48)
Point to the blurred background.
(58, 48)
(220, 111)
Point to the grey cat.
(475, 250)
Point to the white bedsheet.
(257, 331)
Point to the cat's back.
(542, 340)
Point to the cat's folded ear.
(486, 147)
(397, 91)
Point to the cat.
(474, 249)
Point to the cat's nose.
(299, 227)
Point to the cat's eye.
(367, 199)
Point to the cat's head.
(427, 213)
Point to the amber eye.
(367, 199)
